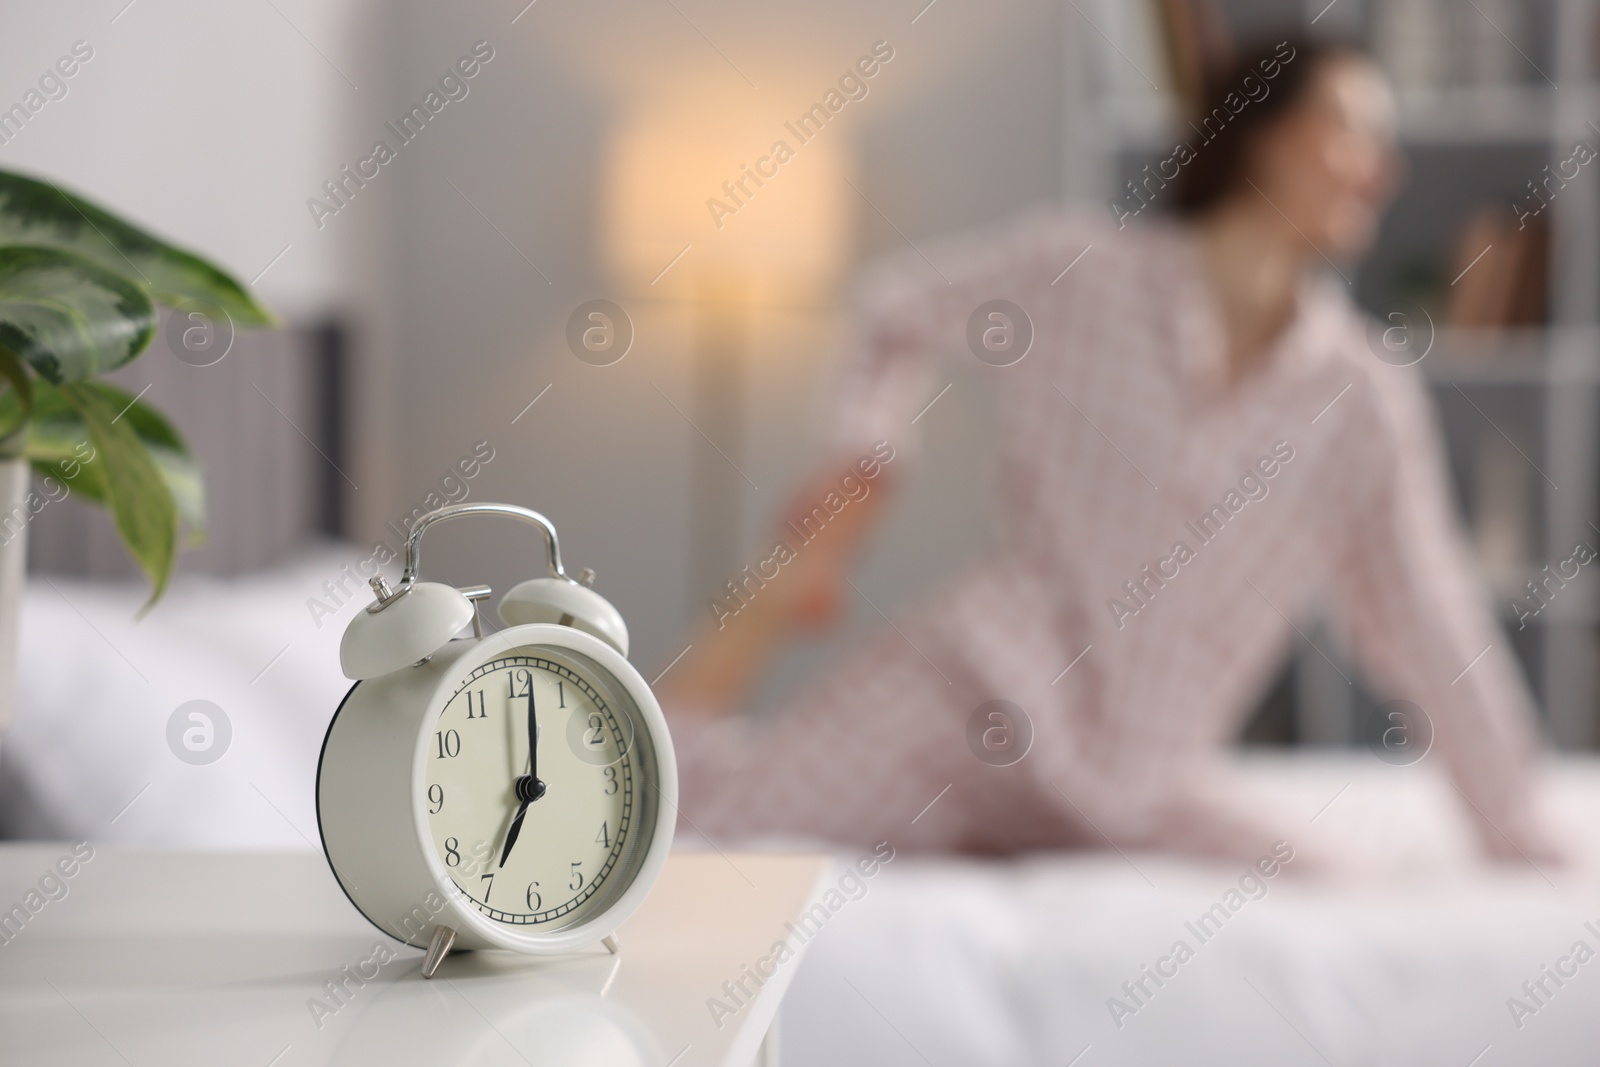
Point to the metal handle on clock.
(453, 511)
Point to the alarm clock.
(512, 790)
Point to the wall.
(180, 126)
(963, 127)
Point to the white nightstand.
(188, 958)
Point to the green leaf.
(147, 422)
(142, 505)
(68, 316)
(14, 416)
(87, 482)
(178, 467)
(59, 446)
(40, 213)
(58, 442)
(186, 482)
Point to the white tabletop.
(208, 958)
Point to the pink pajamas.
(1167, 521)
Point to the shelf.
(1557, 614)
(1452, 115)
(1466, 143)
(1530, 357)
(1474, 115)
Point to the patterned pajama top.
(1162, 530)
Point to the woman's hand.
(1521, 839)
(810, 590)
(807, 594)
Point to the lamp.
(716, 202)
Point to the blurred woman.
(1199, 442)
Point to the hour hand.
(511, 834)
(529, 789)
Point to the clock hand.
(533, 746)
(528, 787)
(511, 834)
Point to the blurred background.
(432, 310)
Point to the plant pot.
(14, 518)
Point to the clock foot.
(438, 949)
(610, 942)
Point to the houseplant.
(78, 292)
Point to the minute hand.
(528, 787)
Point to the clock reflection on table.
(555, 1014)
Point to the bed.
(939, 961)
(953, 962)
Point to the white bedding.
(940, 962)
(97, 686)
(951, 962)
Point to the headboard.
(264, 422)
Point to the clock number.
(561, 691)
(525, 678)
(436, 797)
(576, 882)
(483, 711)
(594, 735)
(604, 836)
(611, 780)
(449, 744)
(452, 852)
(535, 901)
(490, 879)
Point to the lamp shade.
(703, 192)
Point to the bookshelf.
(1478, 117)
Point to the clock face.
(527, 857)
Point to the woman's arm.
(903, 313)
(1419, 620)
(729, 652)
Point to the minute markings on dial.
(614, 823)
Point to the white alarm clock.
(513, 790)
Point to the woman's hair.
(1272, 77)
